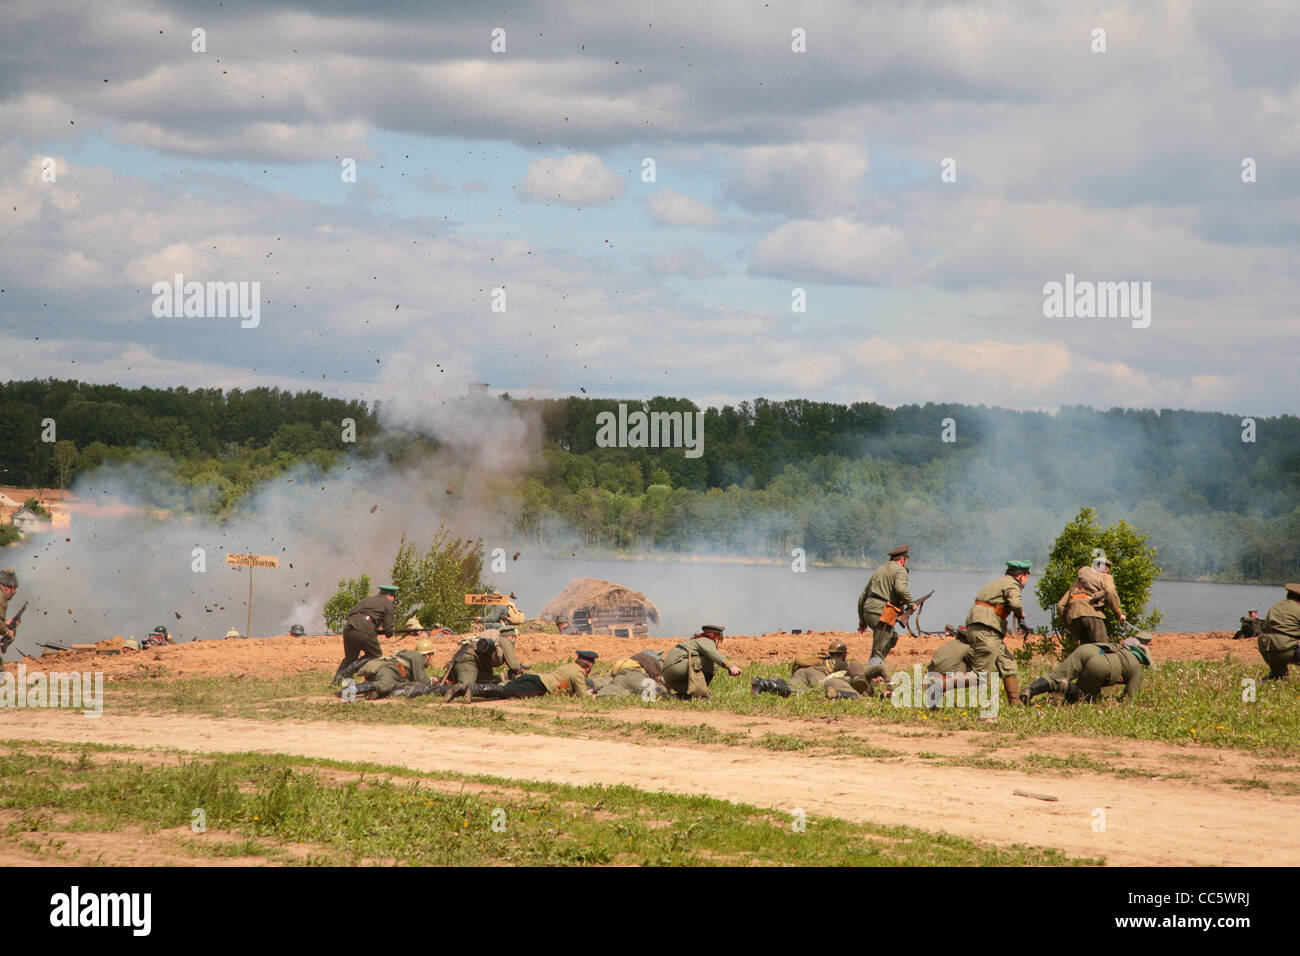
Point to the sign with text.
(253, 560)
(487, 599)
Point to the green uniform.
(1279, 644)
(1250, 627)
(830, 675)
(986, 626)
(888, 585)
(567, 679)
(677, 668)
(470, 667)
(628, 684)
(4, 616)
(951, 657)
(366, 620)
(1080, 607)
(1094, 666)
(388, 673)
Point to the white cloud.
(805, 181)
(832, 250)
(578, 179)
(689, 261)
(676, 209)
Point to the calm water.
(753, 599)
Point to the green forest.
(965, 485)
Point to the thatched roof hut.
(593, 606)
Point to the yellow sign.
(486, 599)
(253, 560)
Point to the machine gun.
(13, 623)
(52, 647)
(913, 626)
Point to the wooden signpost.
(251, 561)
(481, 599)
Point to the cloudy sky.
(794, 146)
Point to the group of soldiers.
(975, 652)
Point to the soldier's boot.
(422, 688)
(365, 689)
(833, 694)
(484, 692)
(457, 690)
(1073, 693)
(514, 673)
(767, 685)
(1012, 685)
(1040, 685)
(347, 670)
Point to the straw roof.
(594, 594)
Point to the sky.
(652, 185)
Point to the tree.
(36, 508)
(1134, 569)
(432, 584)
(64, 462)
(351, 590)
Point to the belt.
(1001, 610)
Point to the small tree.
(351, 590)
(432, 584)
(36, 508)
(1134, 569)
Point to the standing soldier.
(1279, 645)
(8, 587)
(638, 675)
(1080, 607)
(1090, 667)
(371, 616)
(569, 679)
(699, 654)
(382, 676)
(885, 595)
(986, 626)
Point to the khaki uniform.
(986, 626)
(4, 616)
(366, 620)
(830, 675)
(1279, 645)
(951, 657)
(471, 668)
(630, 683)
(888, 585)
(567, 679)
(1250, 627)
(388, 673)
(677, 667)
(1080, 607)
(1094, 666)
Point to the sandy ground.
(295, 654)
(1196, 820)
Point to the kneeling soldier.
(477, 659)
(700, 653)
(568, 679)
(1091, 667)
(635, 676)
(394, 675)
(1279, 644)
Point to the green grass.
(269, 802)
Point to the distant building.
(28, 521)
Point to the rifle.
(52, 647)
(905, 617)
(13, 623)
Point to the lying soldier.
(385, 676)
(832, 674)
(1083, 674)
(568, 679)
(640, 675)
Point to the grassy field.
(309, 812)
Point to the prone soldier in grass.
(1090, 667)
(640, 675)
(885, 595)
(986, 626)
(477, 659)
(1279, 643)
(567, 679)
(831, 673)
(385, 676)
(699, 656)
(370, 617)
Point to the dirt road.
(1146, 822)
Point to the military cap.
(9, 578)
(589, 656)
(159, 630)
(413, 623)
(232, 633)
(1018, 566)
(899, 551)
(1290, 589)
(710, 629)
(1138, 649)
(424, 646)
(388, 589)
(838, 647)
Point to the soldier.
(986, 626)
(370, 617)
(885, 595)
(1279, 644)
(8, 587)
(833, 675)
(1251, 626)
(701, 652)
(396, 675)
(1080, 607)
(477, 659)
(638, 675)
(568, 679)
(156, 638)
(1090, 667)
